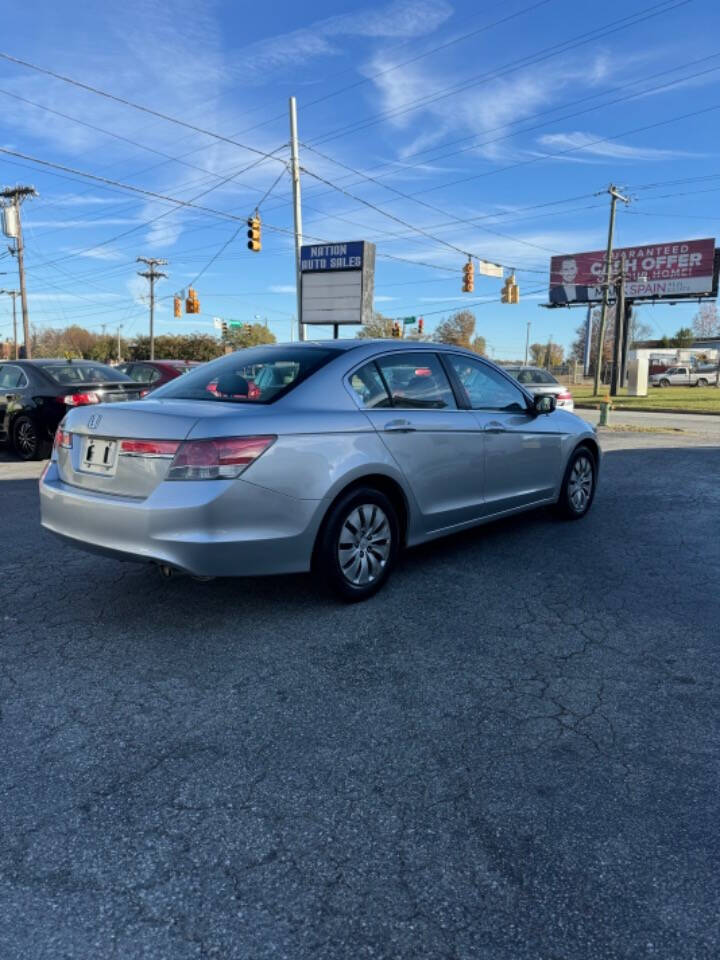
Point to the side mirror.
(545, 403)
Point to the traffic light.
(224, 329)
(420, 326)
(177, 306)
(254, 233)
(396, 328)
(468, 277)
(510, 291)
(192, 304)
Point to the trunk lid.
(108, 469)
(99, 429)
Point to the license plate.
(100, 456)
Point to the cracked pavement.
(510, 753)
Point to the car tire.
(28, 441)
(358, 544)
(664, 383)
(702, 382)
(578, 487)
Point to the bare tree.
(706, 322)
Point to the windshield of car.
(80, 371)
(256, 375)
(531, 375)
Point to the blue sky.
(540, 107)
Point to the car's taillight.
(149, 448)
(565, 396)
(218, 459)
(79, 399)
(63, 438)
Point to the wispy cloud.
(281, 288)
(400, 18)
(587, 143)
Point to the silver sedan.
(326, 456)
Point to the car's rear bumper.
(206, 528)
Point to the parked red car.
(154, 373)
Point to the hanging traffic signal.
(177, 306)
(396, 328)
(468, 277)
(510, 290)
(224, 329)
(254, 233)
(192, 304)
(420, 326)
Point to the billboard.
(337, 282)
(653, 272)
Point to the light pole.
(14, 294)
(119, 357)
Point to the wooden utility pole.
(152, 274)
(614, 197)
(13, 197)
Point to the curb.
(695, 413)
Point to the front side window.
(486, 388)
(417, 381)
(368, 386)
(257, 375)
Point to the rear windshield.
(80, 371)
(532, 375)
(257, 375)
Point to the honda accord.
(328, 456)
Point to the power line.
(137, 106)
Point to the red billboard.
(653, 271)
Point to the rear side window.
(257, 375)
(68, 374)
(11, 378)
(417, 380)
(368, 387)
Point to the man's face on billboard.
(568, 271)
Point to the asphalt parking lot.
(512, 752)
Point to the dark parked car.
(36, 394)
(155, 373)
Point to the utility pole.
(152, 274)
(297, 211)
(527, 343)
(14, 197)
(14, 294)
(616, 379)
(614, 197)
(119, 357)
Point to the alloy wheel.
(364, 544)
(26, 438)
(580, 484)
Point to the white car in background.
(537, 381)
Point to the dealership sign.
(337, 282)
(655, 271)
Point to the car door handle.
(399, 426)
(494, 427)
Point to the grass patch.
(633, 428)
(685, 399)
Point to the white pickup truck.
(684, 376)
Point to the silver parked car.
(537, 381)
(329, 456)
